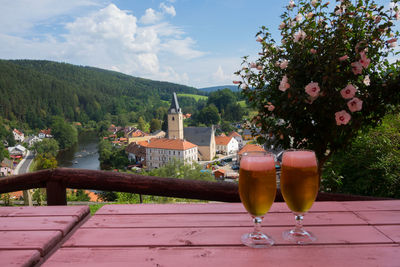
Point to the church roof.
(174, 108)
(200, 136)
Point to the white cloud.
(151, 16)
(168, 9)
(108, 38)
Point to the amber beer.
(299, 180)
(257, 182)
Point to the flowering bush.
(333, 73)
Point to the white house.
(18, 136)
(160, 151)
(226, 145)
(238, 138)
(31, 140)
(17, 151)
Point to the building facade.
(160, 151)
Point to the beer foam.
(257, 163)
(299, 159)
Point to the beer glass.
(299, 186)
(257, 189)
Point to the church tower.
(175, 120)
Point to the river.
(83, 155)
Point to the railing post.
(56, 193)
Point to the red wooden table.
(349, 234)
(29, 234)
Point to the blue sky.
(193, 42)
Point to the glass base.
(299, 236)
(257, 240)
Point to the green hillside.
(196, 97)
(33, 91)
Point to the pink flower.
(259, 39)
(355, 104)
(364, 60)
(236, 82)
(283, 65)
(313, 51)
(271, 107)
(299, 35)
(314, 3)
(394, 44)
(312, 89)
(244, 86)
(310, 15)
(348, 92)
(391, 40)
(356, 67)
(291, 4)
(282, 25)
(253, 65)
(299, 17)
(397, 15)
(259, 67)
(366, 80)
(342, 117)
(284, 85)
(343, 58)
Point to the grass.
(242, 103)
(197, 97)
(94, 208)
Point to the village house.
(6, 167)
(18, 136)
(137, 152)
(160, 151)
(17, 151)
(226, 145)
(31, 140)
(45, 134)
(248, 135)
(238, 138)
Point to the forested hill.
(33, 91)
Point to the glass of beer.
(257, 189)
(299, 186)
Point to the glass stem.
(299, 223)
(257, 225)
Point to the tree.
(141, 124)
(63, 132)
(222, 98)
(48, 146)
(155, 125)
(43, 162)
(209, 115)
(3, 152)
(371, 166)
(328, 79)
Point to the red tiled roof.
(233, 134)
(222, 140)
(175, 144)
(250, 148)
(18, 132)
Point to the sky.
(198, 43)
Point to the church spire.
(174, 108)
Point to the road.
(24, 164)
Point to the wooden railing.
(58, 180)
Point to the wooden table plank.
(372, 205)
(380, 217)
(42, 241)
(393, 231)
(123, 237)
(220, 208)
(60, 223)
(218, 220)
(16, 258)
(299, 256)
(46, 211)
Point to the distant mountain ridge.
(233, 88)
(32, 91)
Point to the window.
(173, 118)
